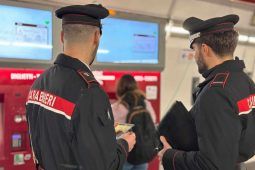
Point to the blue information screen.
(25, 33)
(128, 41)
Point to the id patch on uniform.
(219, 80)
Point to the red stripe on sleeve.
(245, 105)
(51, 102)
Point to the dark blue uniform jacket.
(225, 95)
(71, 122)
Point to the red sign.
(18, 76)
(249, 1)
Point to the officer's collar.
(229, 65)
(71, 62)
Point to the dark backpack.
(147, 139)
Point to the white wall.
(177, 75)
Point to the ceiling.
(174, 9)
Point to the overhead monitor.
(25, 34)
(129, 43)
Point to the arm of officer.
(125, 144)
(94, 142)
(218, 130)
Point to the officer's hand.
(115, 124)
(166, 147)
(130, 138)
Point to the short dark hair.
(222, 43)
(125, 84)
(78, 32)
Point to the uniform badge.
(220, 80)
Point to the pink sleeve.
(151, 110)
(119, 112)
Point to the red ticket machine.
(15, 152)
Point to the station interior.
(144, 38)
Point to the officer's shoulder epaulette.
(219, 80)
(88, 78)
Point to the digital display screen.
(128, 41)
(25, 33)
(16, 140)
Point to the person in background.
(222, 102)
(70, 119)
(127, 94)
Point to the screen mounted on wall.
(25, 33)
(128, 41)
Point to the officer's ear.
(205, 49)
(97, 36)
(62, 36)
